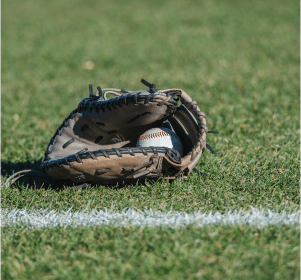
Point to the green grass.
(142, 253)
(239, 60)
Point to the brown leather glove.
(96, 143)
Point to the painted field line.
(133, 217)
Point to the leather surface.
(112, 125)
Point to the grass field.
(239, 60)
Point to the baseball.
(160, 137)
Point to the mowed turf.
(126, 253)
(240, 61)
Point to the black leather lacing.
(172, 154)
(152, 87)
(210, 149)
(68, 143)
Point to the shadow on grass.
(9, 168)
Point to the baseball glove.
(96, 143)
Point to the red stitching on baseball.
(157, 134)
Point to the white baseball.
(160, 137)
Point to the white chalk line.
(145, 218)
